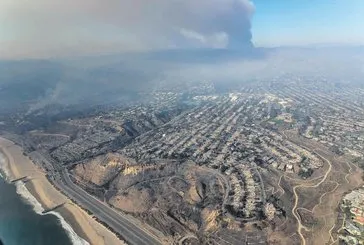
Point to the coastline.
(73, 218)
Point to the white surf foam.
(37, 207)
(3, 167)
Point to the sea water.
(22, 221)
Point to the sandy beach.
(83, 224)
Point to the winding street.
(294, 209)
(131, 232)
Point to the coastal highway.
(130, 232)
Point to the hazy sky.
(306, 22)
(43, 28)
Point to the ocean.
(22, 221)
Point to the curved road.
(294, 209)
(181, 241)
(130, 232)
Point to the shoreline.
(24, 193)
(84, 225)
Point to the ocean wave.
(4, 171)
(37, 207)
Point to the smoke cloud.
(46, 28)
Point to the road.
(321, 154)
(130, 232)
(191, 237)
(294, 209)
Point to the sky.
(308, 22)
(43, 28)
